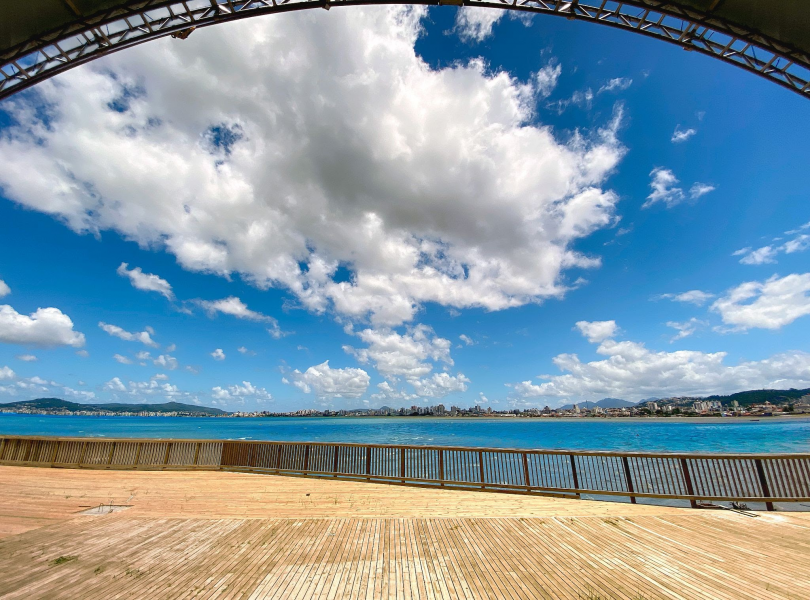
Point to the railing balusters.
(768, 479)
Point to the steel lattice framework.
(107, 31)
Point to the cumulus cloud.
(681, 135)
(405, 355)
(328, 383)
(240, 392)
(409, 356)
(439, 385)
(474, 24)
(144, 337)
(617, 84)
(769, 304)
(468, 341)
(596, 331)
(146, 281)
(26, 357)
(208, 160)
(665, 189)
(122, 359)
(44, 327)
(6, 373)
(168, 362)
(218, 354)
(632, 371)
(115, 385)
(4, 289)
(696, 297)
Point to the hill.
(603, 403)
(59, 405)
(760, 396)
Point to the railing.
(765, 478)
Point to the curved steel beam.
(111, 30)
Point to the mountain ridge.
(60, 404)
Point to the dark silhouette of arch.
(40, 38)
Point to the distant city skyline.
(403, 206)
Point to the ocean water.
(731, 435)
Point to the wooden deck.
(230, 535)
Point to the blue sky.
(399, 207)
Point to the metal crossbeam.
(90, 37)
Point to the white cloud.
(685, 328)
(617, 84)
(82, 353)
(235, 307)
(409, 356)
(681, 135)
(243, 350)
(122, 359)
(405, 355)
(240, 392)
(760, 256)
(468, 341)
(798, 229)
(171, 347)
(146, 281)
(6, 373)
(281, 200)
(4, 289)
(545, 80)
(388, 393)
(81, 395)
(440, 385)
(769, 304)
(144, 337)
(767, 254)
(218, 354)
(160, 377)
(44, 327)
(474, 24)
(596, 331)
(700, 189)
(798, 244)
(115, 385)
(665, 189)
(696, 297)
(631, 371)
(232, 306)
(26, 357)
(168, 362)
(327, 383)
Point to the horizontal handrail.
(558, 451)
(764, 478)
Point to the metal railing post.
(766, 491)
(687, 478)
(526, 479)
(574, 473)
(628, 478)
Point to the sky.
(403, 206)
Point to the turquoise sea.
(731, 435)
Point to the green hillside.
(57, 404)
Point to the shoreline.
(433, 418)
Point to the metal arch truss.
(107, 31)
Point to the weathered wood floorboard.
(228, 536)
